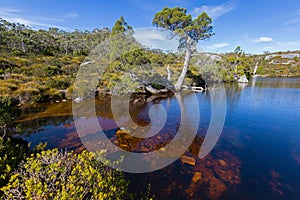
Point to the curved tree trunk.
(255, 68)
(187, 58)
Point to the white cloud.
(217, 46)
(33, 23)
(72, 15)
(155, 38)
(283, 46)
(17, 16)
(293, 18)
(53, 19)
(262, 40)
(214, 11)
(9, 11)
(292, 21)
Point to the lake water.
(256, 157)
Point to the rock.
(123, 146)
(188, 160)
(197, 177)
(78, 99)
(163, 149)
(243, 79)
(134, 127)
(136, 101)
(122, 132)
(145, 149)
(222, 163)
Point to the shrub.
(12, 152)
(7, 101)
(53, 174)
(61, 83)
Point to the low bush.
(53, 174)
(12, 152)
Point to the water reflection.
(276, 82)
(257, 156)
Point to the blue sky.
(256, 25)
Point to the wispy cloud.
(71, 15)
(217, 46)
(18, 16)
(214, 11)
(283, 46)
(33, 23)
(263, 40)
(293, 18)
(52, 19)
(154, 38)
(9, 11)
(292, 21)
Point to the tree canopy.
(180, 23)
(189, 30)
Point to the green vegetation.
(190, 32)
(54, 174)
(63, 175)
(12, 152)
(41, 65)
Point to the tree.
(238, 52)
(121, 27)
(190, 31)
(7, 113)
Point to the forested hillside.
(41, 65)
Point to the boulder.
(243, 79)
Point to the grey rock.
(243, 79)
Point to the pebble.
(188, 160)
(197, 177)
(222, 163)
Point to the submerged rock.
(222, 163)
(197, 177)
(188, 160)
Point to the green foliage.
(7, 101)
(8, 113)
(177, 20)
(190, 32)
(49, 71)
(63, 175)
(12, 152)
(59, 82)
(20, 40)
(121, 27)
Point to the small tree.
(121, 26)
(190, 32)
(238, 52)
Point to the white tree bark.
(255, 68)
(169, 73)
(187, 58)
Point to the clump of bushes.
(53, 174)
(12, 152)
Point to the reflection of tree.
(276, 82)
(33, 126)
(7, 116)
(233, 94)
